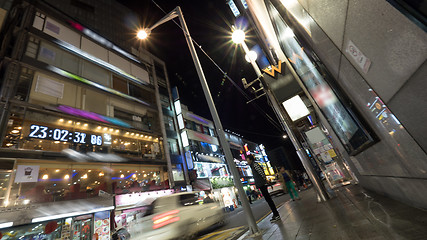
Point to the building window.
(173, 146)
(212, 132)
(120, 85)
(198, 127)
(205, 130)
(164, 100)
(168, 123)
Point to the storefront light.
(84, 176)
(111, 130)
(61, 120)
(69, 121)
(67, 176)
(105, 129)
(122, 175)
(117, 131)
(127, 132)
(26, 201)
(56, 142)
(45, 177)
(85, 125)
(101, 174)
(99, 127)
(57, 170)
(77, 123)
(15, 131)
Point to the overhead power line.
(269, 118)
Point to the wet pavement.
(354, 213)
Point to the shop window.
(120, 85)
(126, 179)
(34, 231)
(57, 182)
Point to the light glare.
(142, 34)
(238, 36)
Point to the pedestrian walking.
(261, 184)
(289, 185)
(248, 193)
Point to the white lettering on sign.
(361, 60)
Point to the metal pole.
(221, 135)
(320, 188)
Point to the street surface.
(236, 220)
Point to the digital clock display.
(57, 134)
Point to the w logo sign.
(273, 69)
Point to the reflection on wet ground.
(353, 214)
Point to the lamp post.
(220, 131)
(239, 38)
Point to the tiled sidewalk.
(353, 214)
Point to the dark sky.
(209, 23)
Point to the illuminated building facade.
(84, 115)
(363, 75)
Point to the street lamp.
(239, 38)
(220, 131)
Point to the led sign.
(93, 116)
(57, 134)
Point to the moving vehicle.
(275, 188)
(179, 216)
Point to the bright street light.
(217, 122)
(143, 33)
(251, 56)
(238, 36)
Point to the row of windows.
(203, 147)
(199, 128)
(54, 56)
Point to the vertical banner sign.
(26, 173)
(102, 225)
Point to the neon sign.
(93, 116)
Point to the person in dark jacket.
(261, 184)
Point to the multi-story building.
(85, 117)
(361, 67)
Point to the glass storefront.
(47, 181)
(348, 128)
(42, 131)
(206, 170)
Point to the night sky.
(209, 23)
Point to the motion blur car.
(275, 188)
(179, 216)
